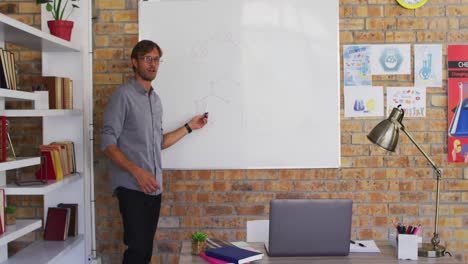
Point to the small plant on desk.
(198, 242)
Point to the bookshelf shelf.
(39, 113)
(19, 163)
(18, 95)
(13, 189)
(21, 228)
(45, 251)
(32, 38)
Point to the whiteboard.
(267, 71)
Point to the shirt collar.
(139, 87)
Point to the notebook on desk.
(309, 228)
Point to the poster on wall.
(428, 65)
(457, 57)
(411, 99)
(356, 61)
(390, 59)
(363, 101)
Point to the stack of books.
(61, 222)
(60, 91)
(7, 70)
(58, 160)
(222, 252)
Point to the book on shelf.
(3, 139)
(47, 169)
(8, 72)
(67, 93)
(60, 90)
(3, 72)
(57, 221)
(56, 159)
(73, 219)
(59, 160)
(2, 211)
(12, 71)
(69, 154)
(233, 254)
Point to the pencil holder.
(407, 247)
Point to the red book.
(56, 224)
(211, 259)
(3, 139)
(48, 162)
(73, 223)
(2, 211)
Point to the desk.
(388, 255)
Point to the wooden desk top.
(388, 255)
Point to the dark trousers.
(140, 214)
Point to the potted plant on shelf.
(10, 215)
(198, 242)
(60, 26)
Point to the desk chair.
(258, 230)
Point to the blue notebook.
(233, 254)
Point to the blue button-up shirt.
(133, 122)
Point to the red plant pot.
(60, 28)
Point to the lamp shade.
(386, 133)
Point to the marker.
(360, 244)
(409, 230)
(205, 115)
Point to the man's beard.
(146, 76)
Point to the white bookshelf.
(47, 251)
(42, 189)
(32, 38)
(16, 95)
(20, 162)
(65, 59)
(40, 113)
(21, 228)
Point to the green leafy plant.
(57, 7)
(199, 236)
(10, 209)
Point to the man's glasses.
(149, 59)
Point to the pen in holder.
(402, 229)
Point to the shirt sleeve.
(113, 120)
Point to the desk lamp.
(385, 135)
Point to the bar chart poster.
(457, 56)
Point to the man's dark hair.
(143, 47)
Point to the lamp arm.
(436, 169)
(435, 239)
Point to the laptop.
(309, 227)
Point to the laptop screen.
(307, 227)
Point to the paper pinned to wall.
(428, 65)
(390, 59)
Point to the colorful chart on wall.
(457, 56)
(267, 71)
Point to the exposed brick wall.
(383, 186)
